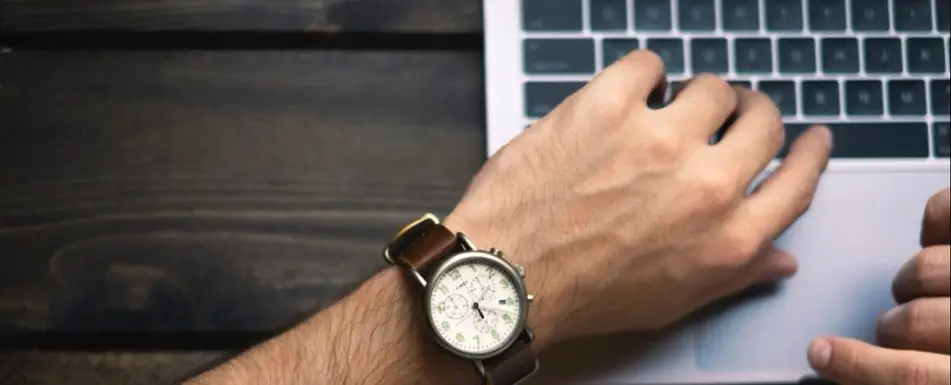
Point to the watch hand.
(498, 310)
(476, 307)
(484, 291)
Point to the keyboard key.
(741, 83)
(740, 15)
(697, 15)
(907, 97)
(613, 49)
(840, 56)
(672, 51)
(673, 88)
(652, 15)
(783, 94)
(709, 55)
(797, 56)
(871, 140)
(864, 98)
(941, 97)
(820, 98)
(753, 56)
(827, 15)
(784, 15)
(608, 15)
(913, 15)
(551, 15)
(870, 15)
(883, 56)
(542, 97)
(559, 56)
(943, 10)
(942, 139)
(925, 55)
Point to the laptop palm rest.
(862, 227)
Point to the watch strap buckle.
(406, 236)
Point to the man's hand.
(626, 217)
(915, 336)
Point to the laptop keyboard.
(877, 73)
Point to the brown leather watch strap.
(422, 245)
(512, 366)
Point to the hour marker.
(501, 302)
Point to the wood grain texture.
(218, 191)
(423, 16)
(119, 368)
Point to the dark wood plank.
(80, 368)
(218, 191)
(244, 15)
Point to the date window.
(501, 302)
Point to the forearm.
(375, 336)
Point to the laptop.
(875, 71)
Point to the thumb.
(851, 362)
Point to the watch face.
(475, 307)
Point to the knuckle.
(738, 247)
(916, 318)
(766, 105)
(742, 246)
(925, 263)
(646, 58)
(725, 93)
(804, 199)
(610, 106)
(846, 361)
(717, 188)
(662, 145)
(913, 373)
(761, 110)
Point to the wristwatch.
(474, 301)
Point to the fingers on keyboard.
(878, 70)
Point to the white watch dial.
(475, 307)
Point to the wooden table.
(181, 179)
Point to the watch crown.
(495, 252)
(530, 298)
(520, 270)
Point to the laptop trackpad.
(860, 230)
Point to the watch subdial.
(455, 306)
(481, 288)
(486, 322)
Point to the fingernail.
(820, 353)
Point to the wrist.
(400, 329)
(542, 314)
